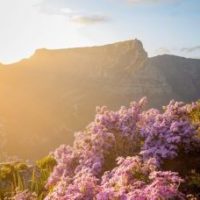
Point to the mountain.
(47, 97)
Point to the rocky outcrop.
(47, 97)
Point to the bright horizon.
(164, 27)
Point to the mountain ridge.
(42, 51)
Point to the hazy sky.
(164, 26)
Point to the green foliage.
(6, 171)
(195, 113)
(194, 179)
(40, 175)
(38, 182)
(12, 178)
(191, 185)
(47, 162)
(19, 176)
(21, 166)
(195, 116)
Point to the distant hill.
(47, 97)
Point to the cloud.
(190, 49)
(90, 19)
(162, 50)
(151, 1)
(75, 16)
(145, 1)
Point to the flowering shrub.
(136, 180)
(122, 155)
(24, 195)
(88, 169)
(112, 134)
(131, 179)
(194, 111)
(166, 134)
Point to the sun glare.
(16, 57)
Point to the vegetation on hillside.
(129, 154)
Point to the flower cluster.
(166, 134)
(112, 134)
(134, 179)
(25, 195)
(67, 161)
(88, 170)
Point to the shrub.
(20, 166)
(47, 162)
(123, 155)
(6, 171)
(88, 169)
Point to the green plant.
(194, 179)
(6, 171)
(38, 181)
(47, 162)
(20, 166)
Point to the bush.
(129, 154)
(20, 166)
(6, 171)
(47, 162)
(88, 169)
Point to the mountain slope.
(47, 97)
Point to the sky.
(164, 26)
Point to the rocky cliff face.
(47, 97)
(101, 62)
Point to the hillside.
(47, 97)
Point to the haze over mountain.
(47, 97)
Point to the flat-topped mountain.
(47, 97)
